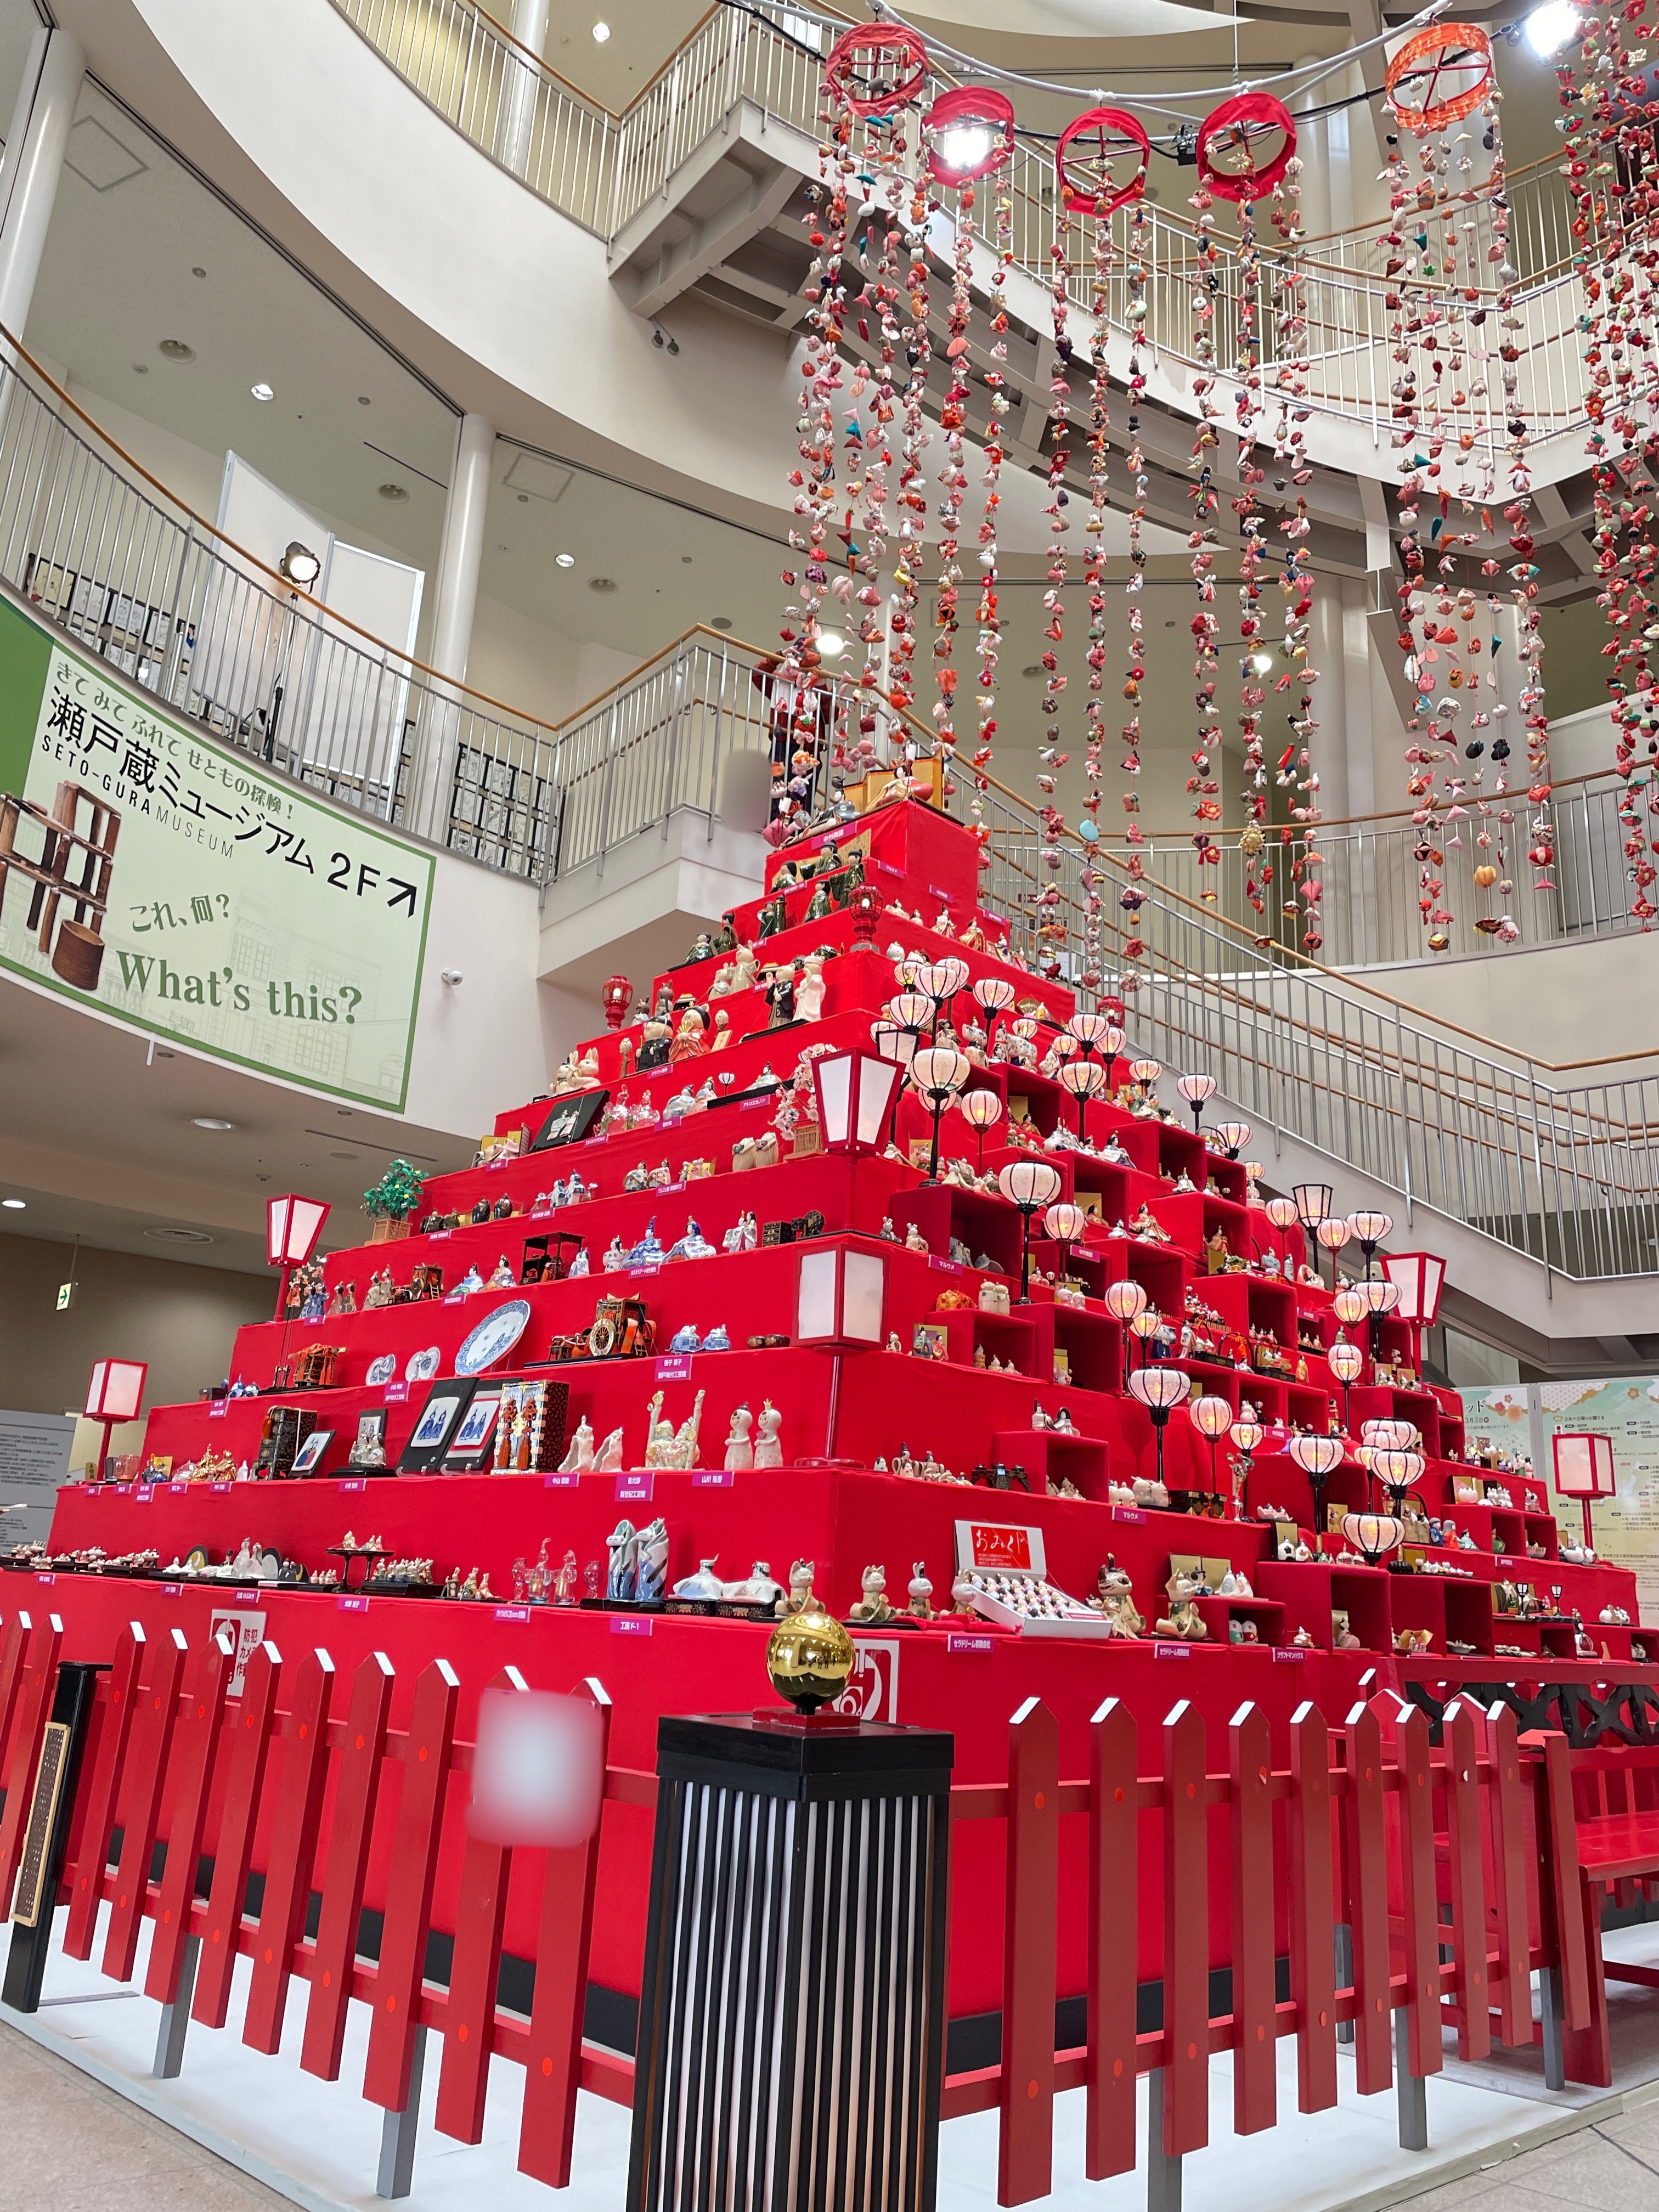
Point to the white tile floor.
(1494, 2130)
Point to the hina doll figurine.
(769, 1452)
(689, 1041)
(874, 1607)
(579, 1459)
(810, 988)
(503, 1278)
(739, 1450)
(1115, 1598)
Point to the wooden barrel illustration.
(78, 955)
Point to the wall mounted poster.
(183, 886)
(1526, 1417)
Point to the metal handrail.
(602, 169)
(134, 577)
(1567, 1176)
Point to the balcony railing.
(104, 551)
(602, 169)
(1565, 1172)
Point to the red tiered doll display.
(629, 1324)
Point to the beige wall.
(180, 1319)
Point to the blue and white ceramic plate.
(493, 1337)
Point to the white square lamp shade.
(116, 1390)
(854, 1091)
(1417, 1276)
(292, 1228)
(841, 1298)
(1584, 1466)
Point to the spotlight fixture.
(564, 560)
(299, 566)
(601, 32)
(831, 643)
(209, 1122)
(13, 1205)
(262, 391)
(1551, 27)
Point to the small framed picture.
(309, 1457)
(158, 1466)
(473, 1440)
(369, 1447)
(931, 1341)
(445, 1402)
(1093, 1203)
(1467, 1490)
(571, 1119)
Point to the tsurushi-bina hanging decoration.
(1449, 422)
(1610, 168)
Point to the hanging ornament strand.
(990, 623)
(1133, 948)
(1203, 539)
(912, 494)
(1252, 661)
(797, 707)
(1609, 159)
(953, 483)
(1051, 931)
(1100, 423)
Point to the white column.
(33, 166)
(1313, 143)
(519, 94)
(461, 550)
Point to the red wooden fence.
(1367, 1827)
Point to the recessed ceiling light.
(601, 32)
(564, 560)
(831, 642)
(141, 368)
(362, 399)
(1035, 668)
(262, 391)
(395, 492)
(342, 1156)
(209, 1122)
(721, 621)
(601, 583)
(198, 272)
(13, 1205)
(176, 349)
(178, 1237)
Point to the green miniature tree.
(397, 1193)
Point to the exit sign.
(65, 1297)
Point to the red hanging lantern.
(969, 131)
(1457, 56)
(616, 997)
(1229, 128)
(874, 68)
(1088, 146)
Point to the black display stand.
(791, 2018)
(46, 1835)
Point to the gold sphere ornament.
(1486, 875)
(809, 1657)
(1251, 841)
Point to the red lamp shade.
(117, 1390)
(1418, 1276)
(854, 1091)
(616, 997)
(1583, 1466)
(292, 1228)
(842, 1297)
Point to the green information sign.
(180, 885)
